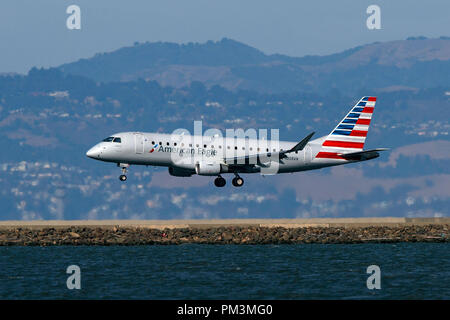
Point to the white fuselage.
(212, 155)
(184, 152)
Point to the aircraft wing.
(262, 158)
(362, 155)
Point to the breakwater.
(282, 231)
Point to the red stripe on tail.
(363, 121)
(368, 110)
(328, 155)
(358, 133)
(343, 144)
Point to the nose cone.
(93, 153)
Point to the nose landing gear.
(124, 167)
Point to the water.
(408, 271)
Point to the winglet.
(299, 146)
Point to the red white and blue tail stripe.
(350, 134)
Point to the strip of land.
(215, 223)
(234, 231)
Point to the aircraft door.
(139, 142)
(307, 154)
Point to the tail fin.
(350, 134)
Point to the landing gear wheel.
(238, 181)
(124, 167)
(220, 182)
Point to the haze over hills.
(413, 63)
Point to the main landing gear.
(124, 167)
(237, 181)
(220, 182)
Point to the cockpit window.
(118, 140)
(109, 139)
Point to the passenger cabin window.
(118, 140)
(109, 139)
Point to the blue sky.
(34, 33)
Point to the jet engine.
(208, 169)
(180, 172)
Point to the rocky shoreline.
(221, 235)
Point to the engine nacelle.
(180, 172)
(208, 169)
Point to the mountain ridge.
(235, 65)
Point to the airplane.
(186, 155)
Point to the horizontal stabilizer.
(362, 155)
